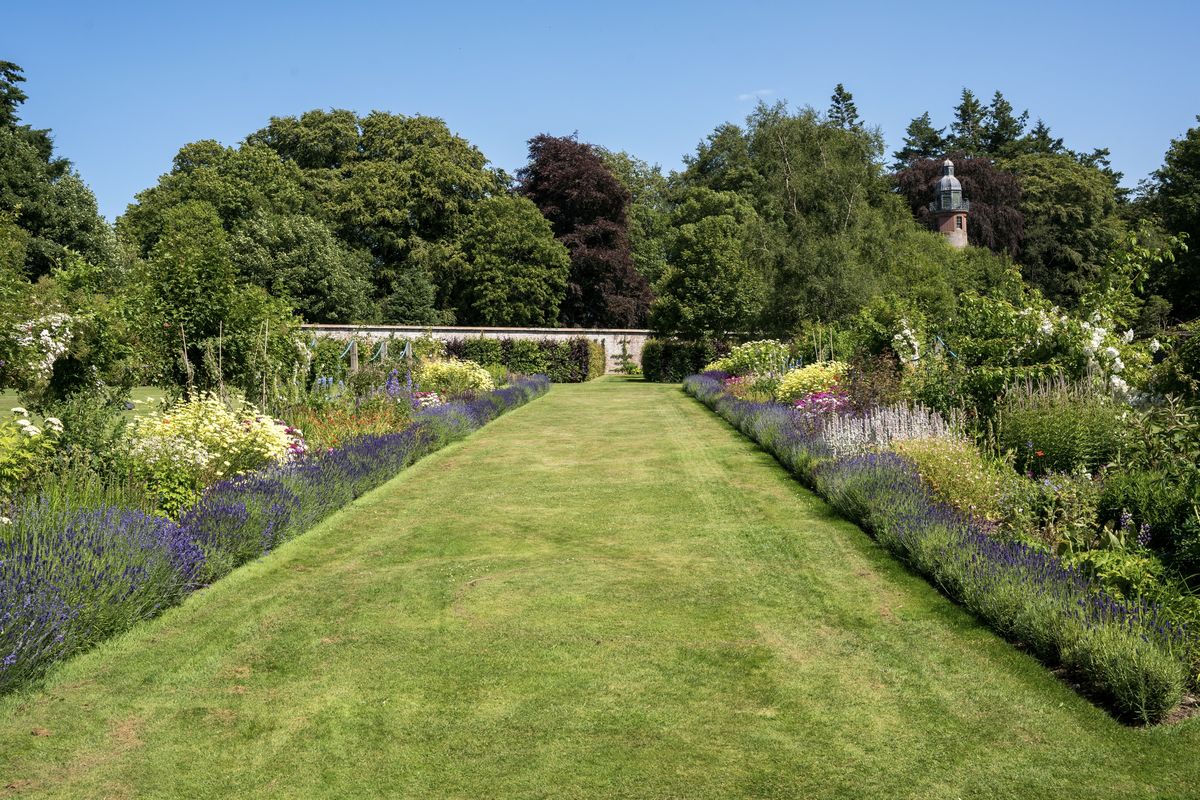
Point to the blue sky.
(124, 84)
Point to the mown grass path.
(606, 593)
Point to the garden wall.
(611, 338)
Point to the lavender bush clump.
(69, 579)
(1125, 652)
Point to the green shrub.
(452, 377)
(822, 376)
(672, 360)
(1053, 426)
(1185, 548)
(328, 360)
(1132, 574)
(1065, 511)
(499, 372)
(960, 475)
(1158, 498)
(563, 361)
(93, 429)
(482, 351)
(525, 356)
(1180, 371)
(597, 360)
(25, 450)
(763, 356)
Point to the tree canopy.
(41, 192)
(587, 207)
(1174, 200)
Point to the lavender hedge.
(71, 579)
(1122, 653)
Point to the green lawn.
(144, 398)
(606, 593)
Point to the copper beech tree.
(587, 207)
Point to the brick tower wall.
(947, 225)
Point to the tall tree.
(11, 95)
(842, 111)
(298, 259)
(1040, 140)
(239, 183)
(968, 131)
(511, 271)
(921, 140)
(649, 210)
(40, 190)
(192, 304)
(710, 287)
(1002, 130)
(1069, 210)
(394, 192)
(587, 207)
(723, 162)
(1175, 199)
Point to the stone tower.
(949, 208)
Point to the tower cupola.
(949, 208)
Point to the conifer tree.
(921, 140)
(842, 111)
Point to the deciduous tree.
(995, 221)
(711, 286)
(587, 208)
(511, 271)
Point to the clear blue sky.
(124, 84)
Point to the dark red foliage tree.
(995, 221)
(587, 205)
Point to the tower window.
(958, 222)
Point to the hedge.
(564, 361)
(672, 360)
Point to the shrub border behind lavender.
(56, 567)
(573, 360)
(1122, 653)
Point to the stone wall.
(612, 338)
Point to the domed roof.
(948, 183)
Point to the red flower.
(1039, 454)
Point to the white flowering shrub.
(765, 356)
(40, 343)
(25, 449)
(200, 440)
(906, 342)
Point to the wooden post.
(354, 357)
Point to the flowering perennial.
(203, 437)
(820, 377)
